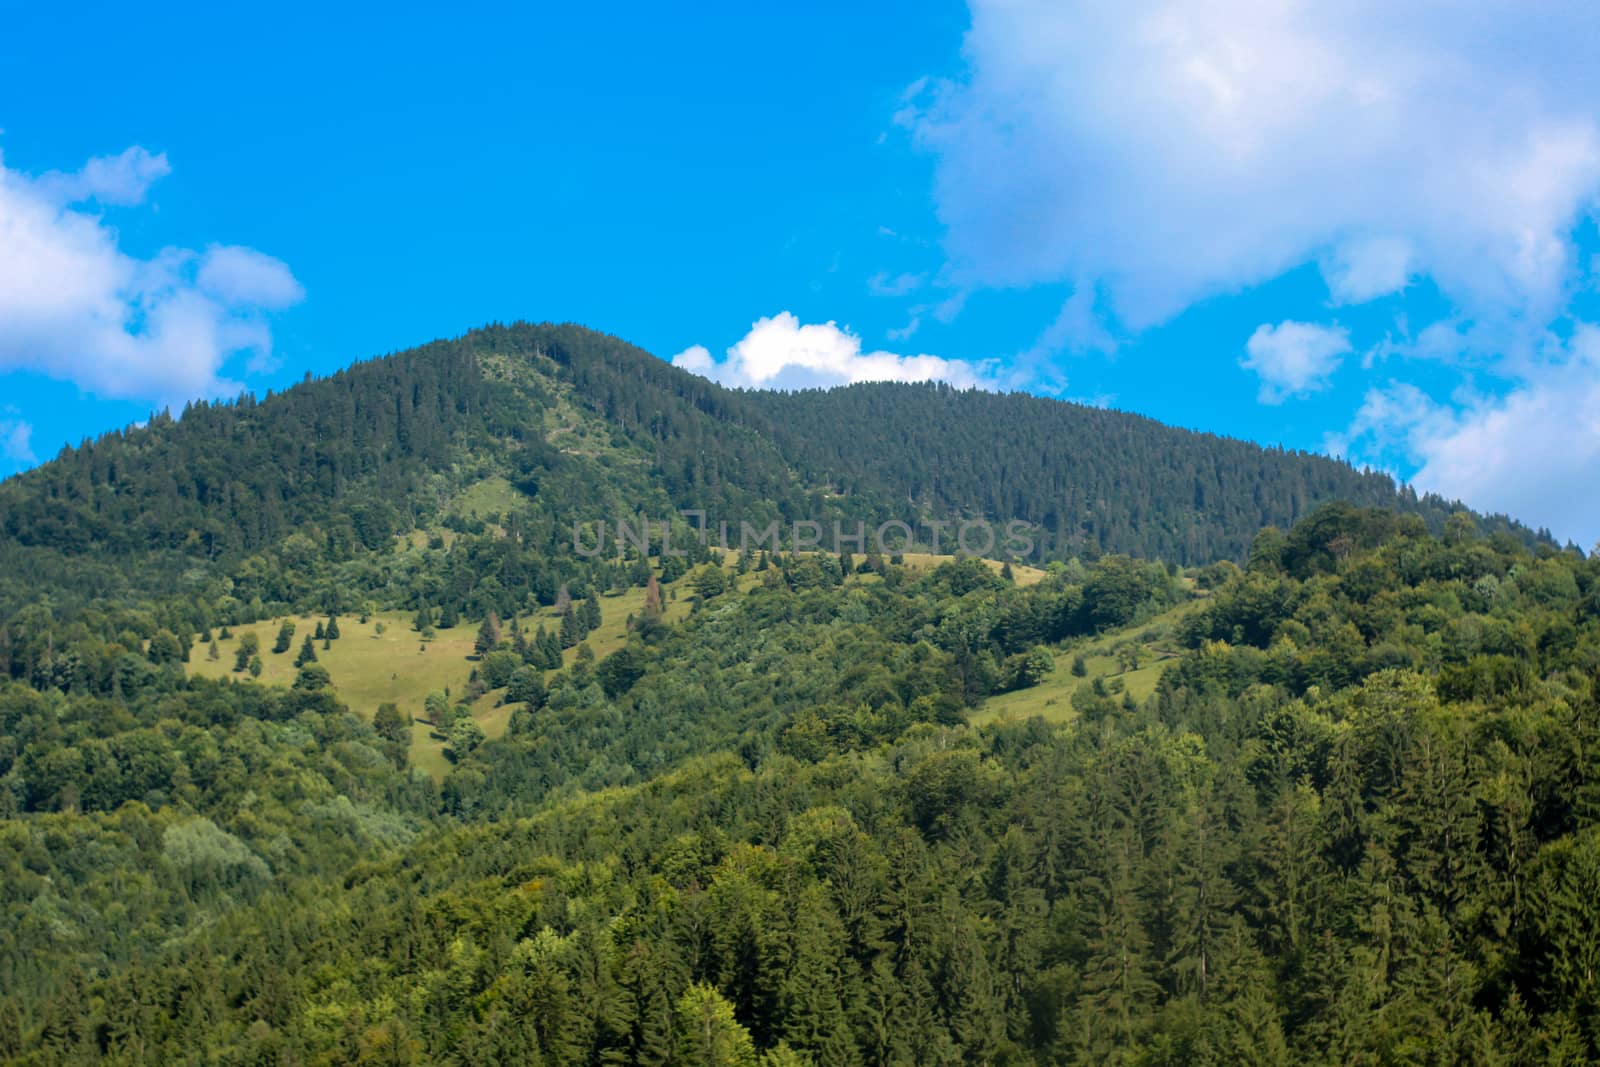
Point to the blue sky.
(1333, 227)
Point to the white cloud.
(1533, 454)
(244, 276)
(1365, 269)
(16, 441)
(884, 284)
(115, 180)
(1168, 150)
(75, 306)
(696, 359)
(781, 353)
(1294, 358)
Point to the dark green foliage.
(308, 653)
(285, 637)
(488, 634)
(525, 686)
(390, 723)
(326, 474)
(248, 646)
(1357, 822)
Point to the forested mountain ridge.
(586, 426)
(1091, 479)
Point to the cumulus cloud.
(1294, 358)
(75, 306)
(782, 353)
(1168, 150)
(1533, 453)
(16, 441)
(118, 180)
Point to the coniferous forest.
(321, 743)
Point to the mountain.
(584, 426)
(321, 742)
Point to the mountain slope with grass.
(1336, 806)
(568, 424)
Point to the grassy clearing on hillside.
(1021, 573)
(368, 668)
(1051, 699)
(492, 496)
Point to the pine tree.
(550, 645)
(319, 633)
(424, 619)
(331, 630)
(249, 645)
(285, 637)
(571, 628)
(708, 1033)
(591, 613)
(308, 653)
(488, 635)
(213, 653)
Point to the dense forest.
(1256, 759)
(585, 426)
(1353, 822)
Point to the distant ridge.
(582, 423)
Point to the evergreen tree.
(308, 653)
(248, 646)
(488, 635)
(285, 637)
(708, 1034)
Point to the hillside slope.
(585, 426)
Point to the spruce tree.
(308, 653)
(488, 635)
(285, 637)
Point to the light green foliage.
(708, 1033)
(211, 860)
